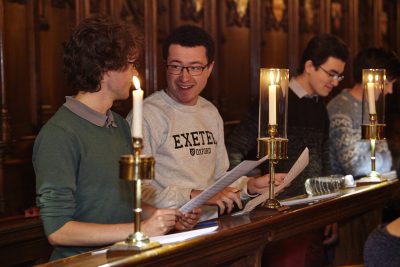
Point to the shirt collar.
(85, 112)
(300, 91)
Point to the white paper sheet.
(296, 169)
(309, 199)
(179, 237)
(391, 175)
(227, 179)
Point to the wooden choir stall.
(241, 240)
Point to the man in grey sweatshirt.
(185, 132)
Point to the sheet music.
(172, 238)
(242, 169)
(296, 169)
(182, 236)
(309, 199)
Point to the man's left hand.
(188, 220)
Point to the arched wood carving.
(275, 15)
(192, 10)
(309, 16)
(238, 13)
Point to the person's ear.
(309, 66)
(210, 68)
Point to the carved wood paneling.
(275, 34)
(133, 11)
(275, 15)
(294, 36)
(255, 48)
(23, 242)
(387, 22)
(33, 59)
(365, 35)
(150, 27)
(238, 13)
(192, 10)
(339, 14)
(4, 116)
(213, 90)
(310, 16)
(235, 61)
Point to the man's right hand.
(224, 199)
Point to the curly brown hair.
(98, 45)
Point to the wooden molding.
(294, 20)
(150, 27)
(192, 10)
(238, 13)
(255, 47)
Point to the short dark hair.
(376, 58)
(190, 36)
(320, 48)
(97, 45)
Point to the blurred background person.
(349, 154)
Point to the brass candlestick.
(134, 168)
(373, 132)
(373, 114)
(276, 149)
(272, 141)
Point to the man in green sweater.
(83, 204)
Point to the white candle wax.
(371, 97)
(137, 117)
(272, 104)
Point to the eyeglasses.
(334, 76)
(135, 64)
(193, 70)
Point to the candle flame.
(377, 78)
(370, 78)
(136, 82)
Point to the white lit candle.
(371, 95)
(272, 100)
(137, 101)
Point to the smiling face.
(184, 87)
(320, 79)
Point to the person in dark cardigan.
(320, 70)
(383, 246)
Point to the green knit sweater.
(76, 166)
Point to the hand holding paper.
(258, 185)
(188, 220)
(296, 169)
(230, 177)
(224, 199)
